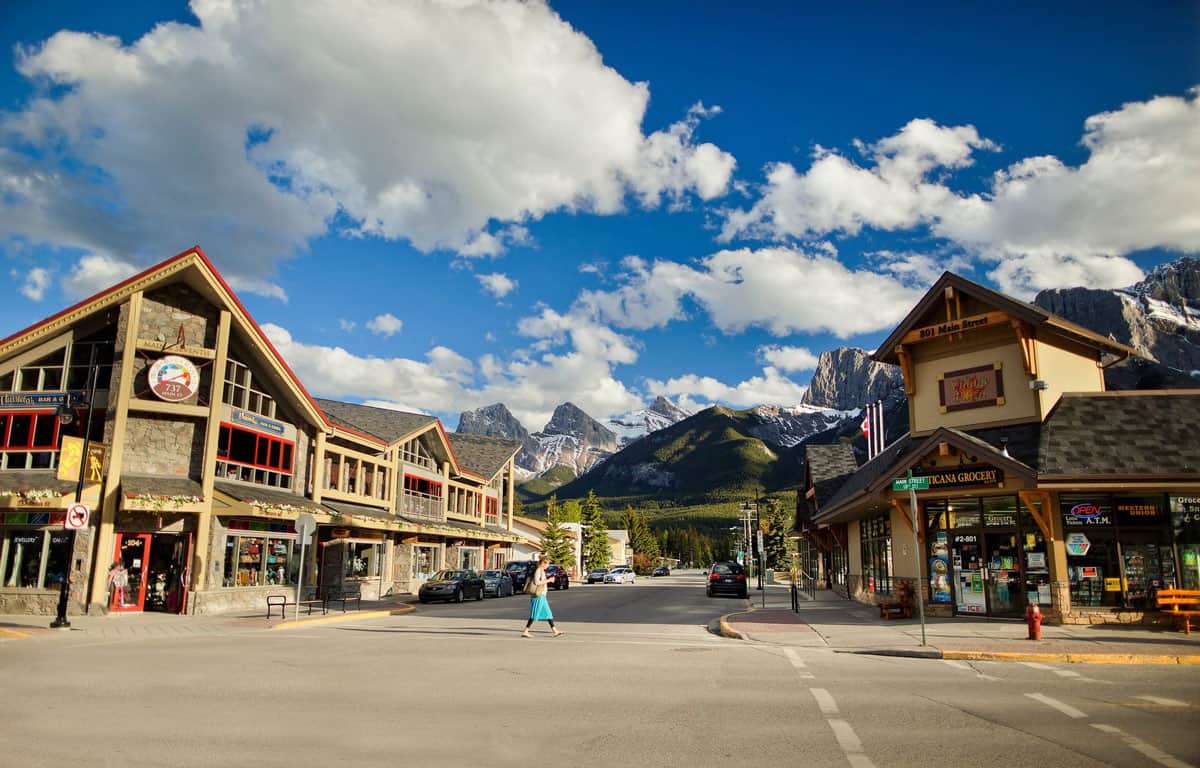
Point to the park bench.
(901, 607)
(343, 595)
(1180, 604)
(283, 602)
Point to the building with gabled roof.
(203, 450)
(1034, 486)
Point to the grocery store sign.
(965, 476)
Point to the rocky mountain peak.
(492, 421)
(569, 419)
(847, 378)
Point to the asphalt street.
(637, 680)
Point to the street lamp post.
(65, 416)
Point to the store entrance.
(167, 573)
(987, 573)
(127, 589)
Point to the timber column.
(202, 548)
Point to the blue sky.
(443, 205)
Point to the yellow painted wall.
(854, 547)
(904, 558)
(1019, 401)
(1066, 367)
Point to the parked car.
(452, 585)
(596, 575)
(622, 574)
(497, 583)
(519, 571)
(558, 578)
(727, 578)
(661, 570)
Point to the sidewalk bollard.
(1033, 618)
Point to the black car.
(452, 585)
(727, 578)
(519, 571)
(557, 577)
(661, 570)
(497, 583)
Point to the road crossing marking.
(1163, 702)
(1060, 672)
(848, 740)
(964, 666)
(793, 657)
(825, 701)
(1147, 749)
(1066, 709)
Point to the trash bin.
(770, 575)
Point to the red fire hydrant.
(1033, 619)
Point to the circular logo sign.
(174, 378)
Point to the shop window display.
(362, 560)
(1118, 549)
(424, 562)
(34, 559)
(1185, 522)
(877, 554)
(260, 560)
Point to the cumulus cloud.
(497, 284)
(36, 283)
(209, 129)
(1041, 224)
(772, 387)
(346, 325)
(781, 289)
(95, 273)
(788, 359)
(386, 324)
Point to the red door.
(133, 552)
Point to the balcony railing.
(422, 506)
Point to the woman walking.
(539, 607)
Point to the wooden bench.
(1180, 604)
(283, 602)
(901, 607)
(343, 595)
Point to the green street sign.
(910, 483)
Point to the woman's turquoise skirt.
(539, 609)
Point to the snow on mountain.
(787, 426)
(636, 425)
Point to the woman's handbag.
(531, 587)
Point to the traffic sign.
(305, 524)
(1078, 544)
(910, 483)
(77, 517)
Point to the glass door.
(967, 565)
(127, 579)
(1005, 585)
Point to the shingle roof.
(1142, 433)
(867, 474)
(158, 485)
(31, 480)
(483, 455)
(830, 467)
(272, 496)
(383, 423)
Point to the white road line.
(1037, 665)
(1066, 709)
(825, 701)
(958, 664)
(1147, 749)
(1059, 672)
(1163, 702)
(793, 657)
(848, 740)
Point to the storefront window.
(424, 563)
(839, 565)
(877, 554)
(1118, 549)
(258, 560)
(964, 513)
(363, 560)
(35, 559)
(1185, 522)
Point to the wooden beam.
(898, 504)
(1025, 337)
(1040, 516)
(906, 368)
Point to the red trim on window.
(6, 421)
(262, 446)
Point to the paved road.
(637, 680)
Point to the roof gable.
(483, 455)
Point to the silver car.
(622, 574)
(497, 584)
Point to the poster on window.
(939, 570)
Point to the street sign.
(910, 483)
(1078, 544)
(71, 455)
(77, 517)
(305, 524)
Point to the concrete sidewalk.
(847, 626)
(119, 626)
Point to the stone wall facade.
(164, 445)
(167, 310)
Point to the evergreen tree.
(775, 543)
(570, 511)
(596, 553)
(556, 542)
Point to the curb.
(358, 616)
(724, 629)
(1073, 658)
(13, 634)
(902, 653)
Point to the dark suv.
(520, 571)
(557, 577)
(727, 578)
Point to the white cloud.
(243, 284)
(781, 289)
(36, 283)
(386, 324)
(497, 284)
(346, 325)
(95, 273)
(788, 359)
(447, 123)
(1042, 223)
(772, 387)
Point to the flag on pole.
(866, 423)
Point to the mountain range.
(664, 452)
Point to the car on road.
(727, 578)
(557, 577)
(622, 574)
(596, 575)
(452, 586)
(497, 583)
(519, 571)
(661, 570)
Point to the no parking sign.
(77, 517)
